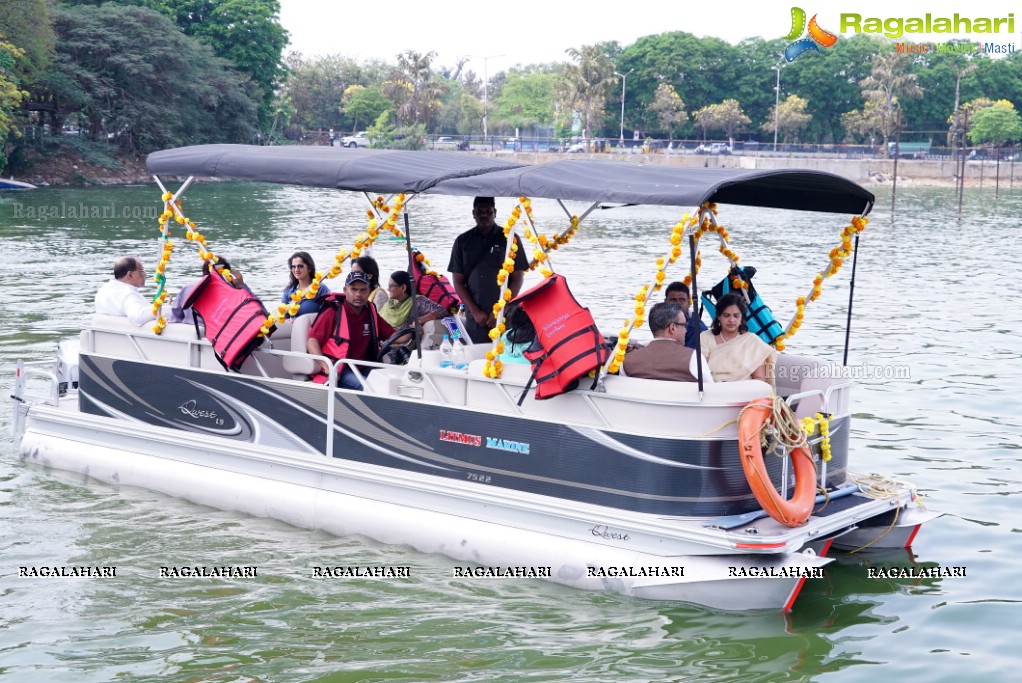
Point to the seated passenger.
(368, 265)
(666, 357)
(678, 293)
(301, 271)
(735, 354)
(398, 309)
(120, 296)
(398, 312)
(178, 313)
(347, 327)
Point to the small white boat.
(629, 485)
(12, 184)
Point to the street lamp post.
(777, 101)
(486, 84)
(624, 82)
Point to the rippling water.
(938, 408)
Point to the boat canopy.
(454, 173)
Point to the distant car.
(713, 148)
(445, 142)
(576, 148)
(359, 139)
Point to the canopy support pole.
(697, 312)
(414, 272)
(851, 296)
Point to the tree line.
(150, 74)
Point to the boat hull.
(581, 546)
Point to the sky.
(535, 31)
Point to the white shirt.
(121, 299)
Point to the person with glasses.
(120, 296)
(678, 293)
(666, 357)
(302, 269)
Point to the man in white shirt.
(120, 296)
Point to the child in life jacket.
(348, 327)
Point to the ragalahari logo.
(817, 36)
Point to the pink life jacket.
(232, 317)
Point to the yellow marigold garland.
(494, 366)
(837, 256)
(809, 425)
(642, 296)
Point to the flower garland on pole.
(837, 256)
(809, 425)
(172, 209)
(493, 366)
(546, 244)
(613, 365)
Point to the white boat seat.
(300, 366)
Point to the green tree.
(135, 77)
(28, 26)
(526, 100)
(863, 125)
(10, 95)
(791, 118)
(997, 124)
(316, 88)
(668, 108)
(362, 104)
(246, 32)
(584, 83)
(423, 90)
(726, 116)
(889, 79)
(701, 70)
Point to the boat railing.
(22, 398)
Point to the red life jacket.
(336, 346)
(232, 317)
(436, 288)
(570, 344)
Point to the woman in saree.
(731, 351)
(398, 311)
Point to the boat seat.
(796, 374)
(300, 366)
(658, 390)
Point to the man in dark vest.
(348, 328)
(666, 357)
(476, 258)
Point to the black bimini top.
(463, 174)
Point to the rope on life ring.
(751, 422)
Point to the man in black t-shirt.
(476, 258)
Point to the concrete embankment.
(861, 170)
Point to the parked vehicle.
(359, 139)
(713, 148)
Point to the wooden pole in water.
(997, 176)
(961, 174)
(897, 153)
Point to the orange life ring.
(795, 511)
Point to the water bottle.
(459, 361)
(446, 353)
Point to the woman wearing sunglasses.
(302, 269)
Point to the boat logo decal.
(189, 409)
(458, 437)
(507, 445)
(603, 531)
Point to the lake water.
(940, 360)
